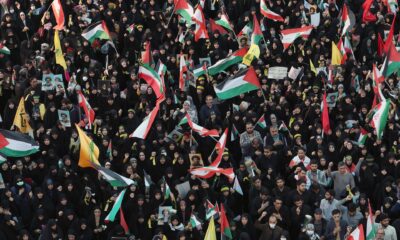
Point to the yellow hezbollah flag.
(89, 153)
(254, 51)
(210, 234)
(58, 51)
(336, 55)
(21, 119)
(312, 67)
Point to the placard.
(277, 72)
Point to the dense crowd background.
(324, 195)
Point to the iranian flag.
(224, 22)
(363, 136)
(184, 9)
(290, 35)
(15, 144)
(182, 72)
(117, 205)
(114, 178)
(257, 35)
(261, 122)
(145, 126)
(377, 75)
(325, 115)
(223, 64)
(268, 13)
(209, 171)
(197, 128)
(380, 117)
(89, 112)
(99, 31)
(4, 50)
(225, 229)
(152, 78)
(370, 232)
(357, 233)
(347, 19)
(201, 30)
(244, 81)
(58, 14)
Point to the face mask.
(310, 232)
(272, 226)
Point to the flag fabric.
(376, 75)
(58, 14)
(146, 56)
(182, 71)
(256, 35)
(122, 221)
(312, 67)
(167, 190)
(234, 133)
(210, 171)
(290, 35)
(211, 232)
(216, 27)
(58, 51)
(117, 205)
(363, 136)
(254, 52)
(381, 46)
(224, 225)
(348, 19)
(268, 13)
(184, 9)
(342, 51)
(202, 70)
(261, 122)
(237, 187)
(357, 233)
(99, 31)
(246, 30)
(147, 180)
(200, 30)
(224, 22)
(21, 119)
(389, 39)
(15, 144)
(84, 104)
(197, 128)
(130, 28)
(152, 78)
(211, 209)
(370, 231)
(4, 50)
(223, 64)
(244, 81)
(89, 152)
(109, 150)
(145, 126)
(345, 48)
(195, 222)
(367, 15)
(380, 118)
(114, 178)
(392, 6)
(336, 55)
(325, 115)
(392, 62)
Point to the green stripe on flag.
(117, 205)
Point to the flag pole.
(172, 14)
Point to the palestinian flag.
(99, 31)
(145, 126)
(4, 50)
(380, 117)
(225, 229)
(215, 27)
(89, 152)
(58, 14)
(357, 233)
(246, 30)
(152, 78)
(114, 178)
(197, 128)
(184, 9)
(89, 112)
(363, 136)
(201, 30)
(392, 62)
(257, 35)
(211, 209)
(223, 64)
(224, 22)
(182, 72)
(122, 221)
(381, 46)
(389, 39)
(234, 133)
(167, 191)
(117, 205)
(370, 231)
(195, 222)
(15, 144)
(268, 13)
(325, 115)
(242, 82)
(347, 19)
(368, 16)
(130, 28)
(202, 70)
(290, 35)
(261, 122)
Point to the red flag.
(215, 27)
(325, 115)
(89, 112)
(122, 221)
(58, 14)
(182, 70)
(389, 39)
(381, 45)
(225, 229)
(367, 15)
(146, 55)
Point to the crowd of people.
(293, 179)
